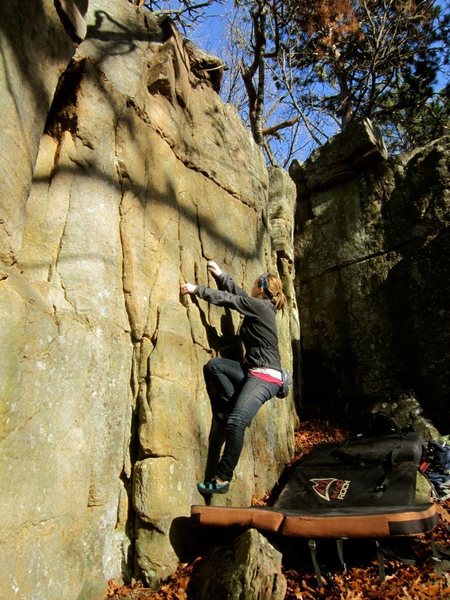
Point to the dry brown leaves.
(401, 583)
(173, 589)
(311, 433)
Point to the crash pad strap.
(380, 558)
(340, 551)
(313, 549)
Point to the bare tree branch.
(275, 128)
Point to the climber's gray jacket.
(258, 330)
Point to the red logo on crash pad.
(331, 488)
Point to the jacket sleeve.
(226, 283)
(246, 305)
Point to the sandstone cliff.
(124, 173)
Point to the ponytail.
(274, 290)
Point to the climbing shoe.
(213, 487)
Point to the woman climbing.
(243, 387)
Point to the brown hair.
(273, 289)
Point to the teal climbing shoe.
(213, 487)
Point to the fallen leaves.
(403, 583)
(175, 588)
(311, 433)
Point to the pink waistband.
(265, 377)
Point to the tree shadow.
(63, 117)
(122, 39)
(114, 39)
(18, 34)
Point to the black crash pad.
(363, 487)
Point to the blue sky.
(210, 36)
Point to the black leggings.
(244, 394)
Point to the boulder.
(249, 568)
(341, 158)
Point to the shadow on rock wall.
(418, 292)
(20, 36)
(373, 285)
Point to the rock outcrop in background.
(371, 248)
(140, 176)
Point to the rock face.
(140, 176)
(371, 249)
